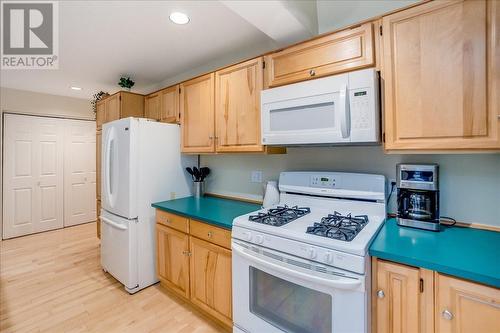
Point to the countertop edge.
(196, 217)
(455, 272)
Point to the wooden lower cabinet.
(211, 279)
(463, 306)
(173, 260)
(199, 270)
(412, 299)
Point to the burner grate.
(338, 226)
(280, 215)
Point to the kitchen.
(345, 180)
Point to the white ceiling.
(99, 41)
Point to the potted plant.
(126, 83)
(96, 98)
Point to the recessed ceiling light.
(179, 18)
(76, 88)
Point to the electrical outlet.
(256, 177)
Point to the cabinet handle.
(209, 234)
(380, 294)
(186, 253)
(312, 72)
(446, 314)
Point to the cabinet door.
(211, 279)
(98, 142)
(152, 106)
(112, 106)
(100, 115)
(169, 104)
(463, 306)
(197, 115)
(172, 259)
(441, 90)
(397, 298)
(342, 51)
(237, 107)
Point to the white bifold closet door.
(79, 172)
(38, 152)
(32, 174)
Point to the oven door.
(274, 293)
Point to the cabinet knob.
(446, 314)
(380, 294)
(209, 234)
(312, 72)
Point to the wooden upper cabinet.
(152, 106)
(237, 107)
(112, 106)
(197, 115)
(338, 52)
(463, 306)
(169, 104)
(441, 73)
(211, 279)
(397, 298)
(100, 115)
(172, 259)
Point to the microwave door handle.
(340, 283)
(345, 112)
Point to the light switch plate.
(256, 177)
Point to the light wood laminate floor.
(53, 282)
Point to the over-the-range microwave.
(339, 109)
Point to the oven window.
(288, 306)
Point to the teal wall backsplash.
(469, 183)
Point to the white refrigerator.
(141, 164)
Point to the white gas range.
(302, 266)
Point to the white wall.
(469, 183)
(33, 103)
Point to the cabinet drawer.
(173, 221)
(211, 233)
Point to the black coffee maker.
(418, 196)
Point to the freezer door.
(119, 249)
(119, 171)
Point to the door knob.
(446, 314)
(380, 294)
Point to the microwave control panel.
(323, 181)
(361, 108)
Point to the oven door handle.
(338, 283)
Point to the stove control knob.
(259, 239)
(247, 235)
(312, 252)
(329, 257)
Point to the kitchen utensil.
(190, 171)
(272, 195)
(197, 174)
(204, 173)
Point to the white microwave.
(339, 109)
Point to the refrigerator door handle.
(108, 166)
(113, 224)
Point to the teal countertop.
(216, 211)
(467, 253)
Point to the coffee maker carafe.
(418, 196)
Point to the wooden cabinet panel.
(463, 306)
(210, 233)
(169, 104)
(335, 53)
(441, 90)
(237, 107)
(152, 106)
(173, 260)
(132, 104)
(100, 115)
(98, 150)
(98, 221)
(397, 298)
(211, 279)
(197, 115)
(112, 105)
(177, 222)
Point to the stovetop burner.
(280, 215)
(339, 227)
